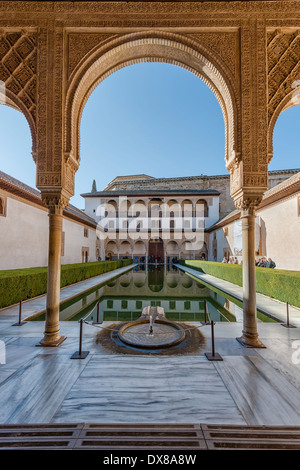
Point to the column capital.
(56, 201)
(247, 203)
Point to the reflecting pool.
(182, 297)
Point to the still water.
(182, 297)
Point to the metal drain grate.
(152, 436)
(141, 437)
(251, 437)
(39, 436)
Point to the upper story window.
(85, 232)
(2, 206)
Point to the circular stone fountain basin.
(165, 334)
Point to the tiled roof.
(152, 192)
(11, 184)
(153, 180)
(285, 188)
(283, 185)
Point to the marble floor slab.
(250, 386)
(146, 389)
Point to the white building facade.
(153, 225)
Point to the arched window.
(201, 208)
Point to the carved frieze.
(80, 44)
(225, 44)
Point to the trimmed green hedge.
(279, 284)
(22, 284)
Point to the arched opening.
(156, 250)
(111, 209)
(173, 208)
(125, 250)
(283, 130)
(139, 209)
(172, 251)
(201, 208)
(139, 251)
(111, 251)
(286, 153)
(149, 47)
(187, 250)
(17, 144)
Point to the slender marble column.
(52, 335)
(249, 337)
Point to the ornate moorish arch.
(16, 103)
(291, 99)
(283, 49)
(135, 48)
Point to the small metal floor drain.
(151, 436)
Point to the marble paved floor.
(42, 385)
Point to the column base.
(249, 341)
(47, 342)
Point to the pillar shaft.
(52, 335)
(249, 337)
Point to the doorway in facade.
(156, 250)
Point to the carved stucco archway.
(149, 47)
(291, 99)
(283, 52)
(13, 102)
(53, 57)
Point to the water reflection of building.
(125, 297)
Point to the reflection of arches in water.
(187, 282)
(139, 278)
(172, 279)
(126, 280)
(201, 286)
(156, 279)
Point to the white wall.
(24, 236)
(75, 240)
(281, 233)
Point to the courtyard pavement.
(248, 387)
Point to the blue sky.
(148, 118)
